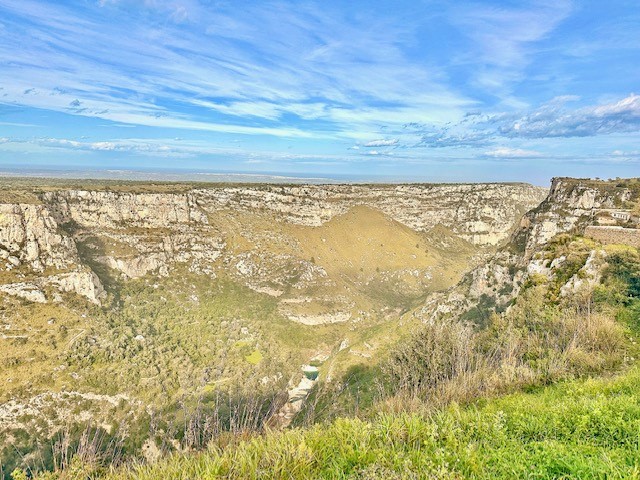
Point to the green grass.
(580, 429)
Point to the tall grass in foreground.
(580, 429)
(533, 344)
(78, 448)
(544, 337)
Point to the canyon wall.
(571, 207)
(150, 232)
(482, 214)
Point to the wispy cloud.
(321, 83)
(554, 121)
(505, 38)
(270, 63)
(506, 152)
(19, 124)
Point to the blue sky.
(424, 90)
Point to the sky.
(409, 90)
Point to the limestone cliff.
(104, 209)
(482, 214)
(29, 236)
(570, 207)
(252, 233)
(37, 254)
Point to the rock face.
(148, 231)
(482, 214)
(570, 207)
(85, 283)
(32, 246)
(588, 276)
(115, 210)
(29, 236)
(137, 234)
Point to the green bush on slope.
(535, 343)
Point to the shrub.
(535, 342)
(438, 352)
(624, 267)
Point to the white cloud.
(19, 124)
(504, 38)
(377, 153)
(107, 146)
(382, 143)
(271, 62)
(506, 152)
(627, 153)
(551, 120)
(629, 106)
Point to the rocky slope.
(570, 206)
(36, 255)
(482, 214)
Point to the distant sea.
(185, 175)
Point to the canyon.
(126, 303)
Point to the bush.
(437, 353)
(535, 342)
(624, 269)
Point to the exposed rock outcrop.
(483, 214)
(149, 233)
(34, 248)
(116, 210)
(30, 236)
(83, 282)
(570, 206)
(588, 276)
(26, 290)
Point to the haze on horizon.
(446, 91)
